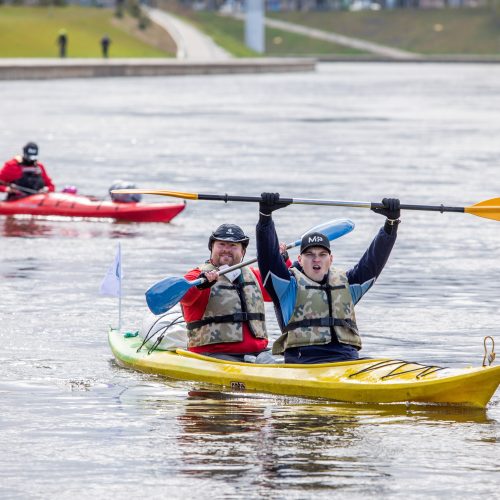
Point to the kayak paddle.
(21, 189)
(489, 209)
(164, 294)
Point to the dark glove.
(285, 256)
(270, 202)
(13, 190)
(390, 210)
(206, 284)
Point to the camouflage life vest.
(229, 305)
(320, 312)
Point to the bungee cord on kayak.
(151, 333)
(179, 320)
(423, 369)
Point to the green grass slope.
(230, 34)
(32, 32)
(426, 31)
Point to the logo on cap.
(315, 239)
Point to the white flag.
(112, 282)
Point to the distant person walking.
(62, 41)
(105, 43)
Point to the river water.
(75, 425)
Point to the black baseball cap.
(314, 240)
(30, 151)
(229, 232)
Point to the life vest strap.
(239, 317)
(326, 288)
(324, 322)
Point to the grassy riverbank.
(430, 31)
(230, 34)
(32, 32)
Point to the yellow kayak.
(359, 381)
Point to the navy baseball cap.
(314, 240)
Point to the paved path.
(191, 43)
(355, 43)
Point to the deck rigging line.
(423, 370)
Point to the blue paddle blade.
(332, 229)
(163, 295)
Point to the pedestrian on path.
(62, 41)
(105, 43)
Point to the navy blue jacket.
(282, 287)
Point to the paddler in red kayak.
(225, 315)
(25, 175)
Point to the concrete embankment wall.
(41, 69)
(429, 59)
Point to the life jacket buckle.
(241, 317)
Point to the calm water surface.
(74, 425)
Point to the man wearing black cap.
(225, 315)
(314, 301)
(24, 175)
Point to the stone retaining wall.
(41, 69)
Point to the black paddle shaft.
(19, 188)
(427, 208)
(256, 199)
(226, 197)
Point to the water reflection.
(307, 445)
(24, 269)
(25, 228)
(307, 410)
(38, 227)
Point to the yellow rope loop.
(490, 357)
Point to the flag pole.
(120, 288)
(112, 282)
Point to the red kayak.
(71, 205)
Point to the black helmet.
(229, 232)
(30, 151)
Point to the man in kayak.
(225, 315)
(314, 301)
(24, 175)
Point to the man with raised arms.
(314, 301)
